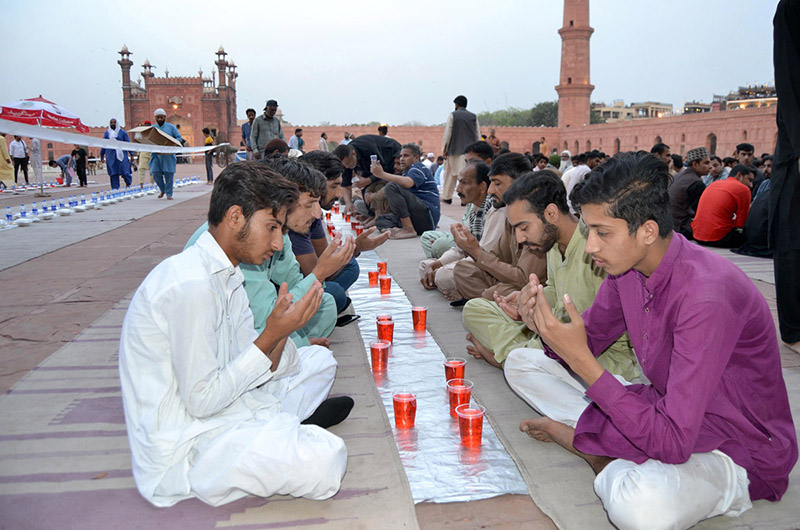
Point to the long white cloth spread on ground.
(58, 135)
(206, 417)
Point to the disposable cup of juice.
(386, 330)
(419, 317)
(454, 368)
(470, 423)
(373, 278)
(405, 409)
(383, 268)
(386, 284)
(459, 391)
(380, 355)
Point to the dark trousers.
(21, 163)
(210, 165)
(403, 203)
(81, 171)
(733, 239)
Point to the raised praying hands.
(333, 259)
(465, 240)
(509, 304)
(364, 242)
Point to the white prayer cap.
(159, 112)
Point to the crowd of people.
(578, 278)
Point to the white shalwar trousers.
(274, 454)
(651, 495)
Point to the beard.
(547, 241)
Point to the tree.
(595, 117)
(544, 114)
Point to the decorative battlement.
(174, 80)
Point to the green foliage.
(544, 114)
(595, 117)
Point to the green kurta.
(575, 274)
(261, 283)
(437, 242)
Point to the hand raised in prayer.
(509, 304)
(288, 316)
(567, 340)
(334, 257)
(465, 240)
(364, 242)
(526, 302)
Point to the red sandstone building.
(191, 103)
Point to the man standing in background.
(323, 142)
(117, 162)
(265, 128)
(162, 166)
(247, 128)
(462, 129)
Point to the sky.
(356, 61)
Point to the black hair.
(305, 177)
(540, 156)
(481, 172)
(632, 187)
(580, 159)
(342, 151)
(383, 129)
(729, 160)
(511, 164)
(439, 159)
(252, 186)
(414, 148)
(539, 188)
(677, 162)
(593, 154)
(327, 163)
(461, 101)
(250, 110)
(480, 148)
(745, 147)
(298, 130)
(765, 158)
(741, 169)
(659, 148)
(206, 130)
(715, 157)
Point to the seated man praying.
(713, 431)
(215, 410)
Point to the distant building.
(751, 97)
(618, 111)
(694, 107)
(192, 103)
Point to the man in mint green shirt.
(538, 211)
(261, 282)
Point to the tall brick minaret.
(125, 64)
(574, 89)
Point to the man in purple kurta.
(713, 431)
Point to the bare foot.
(403, 234)
(452, 294)
(545, 429)
(320, 341)
(479, 351)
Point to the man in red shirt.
(723, 209)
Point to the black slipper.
(346, 319)
(458, 303)
(331, 412)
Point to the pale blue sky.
(393, 61)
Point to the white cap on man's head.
(159, 112)
(431, 155)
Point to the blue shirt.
(165, 163)
(247, 128)
(63, 162)
(425, 188)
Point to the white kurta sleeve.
(211, 371)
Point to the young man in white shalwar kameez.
(215, 410)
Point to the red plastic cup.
(419, 316)
(380, 355)
(454, 368)
(359, 229)
(459, 391)
(331, 228)
(327, 216)
(353, 224)
(405, 409)
(336, 207)
(386, 284)
(386, 330)
(347, 217)
(470, 423)
(373, 278)
(382, 270)
(383, 316)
